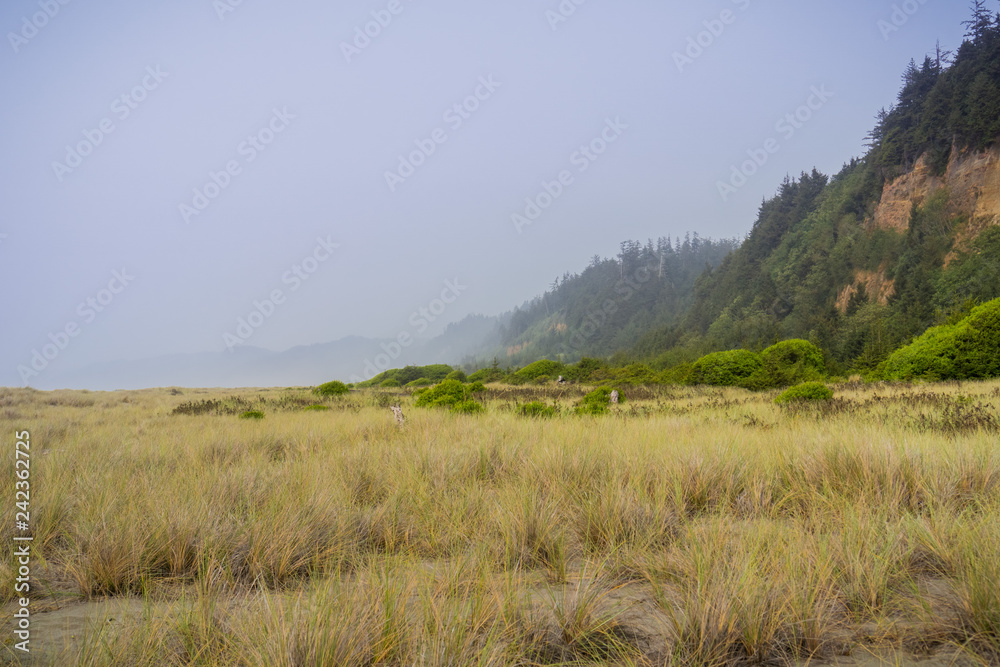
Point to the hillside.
(900, 240)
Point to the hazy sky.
(175, 162)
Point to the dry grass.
(688, 527)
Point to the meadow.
(689, 526)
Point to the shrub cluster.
(335, 388)
(807, 391)
(967, 350)
(450, 394)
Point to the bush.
(542, 379)
(487, 375)
(335, 388)
(968, 350)
(252, 414)
(421, 382)
(582, 370)
(635, 374)
(807, 391)
(448, 393)
(476, 387)
(316, 408)
(389, 384)
(536, 409)
(728, 369)
(468, 407)
(788, 363)
(537, 370)
(597, 401)
(457, 375)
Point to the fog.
(225, 180)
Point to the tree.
(980, 25)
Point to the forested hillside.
(611, 303)
(902, 239)
(898, 241)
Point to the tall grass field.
(686, 526)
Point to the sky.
(322, 170)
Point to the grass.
(689, 526)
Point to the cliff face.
(973, 184)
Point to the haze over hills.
(901, 239)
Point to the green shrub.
(252, 414)
(807, 391)
(316, 408)
(536, 409)
(335, 388)
(726, 369)
(448, 393)
(932, 357)
(968, 350)
(457, 375)
(788, 363)
(597, 401)
(389, 384)
(635, 374)
(420, 382)
(542, 379)
(487, 375)
(476, 387)
(537, 370)
(468, 407)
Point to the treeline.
(612, 303)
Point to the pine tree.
(981, 24)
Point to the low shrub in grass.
(536, 370)
(468, 407)
(968, 350)
(597, 401)
(733, 368)
(316, 408)
(252, 414)
(446, 394)
(390, 384)
(487, 375)
(788, 363)
(476, 387)
(457, 375)
(420, 382)
(335, 388)
(536, 409)
(807, 391)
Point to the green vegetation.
(450, 393)
(807, 391)
(598, 401)
(252, 414)
(406, 376)
(536, 409)
(317, 408)
(335, 388)
(727, 369)
(969, 349)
